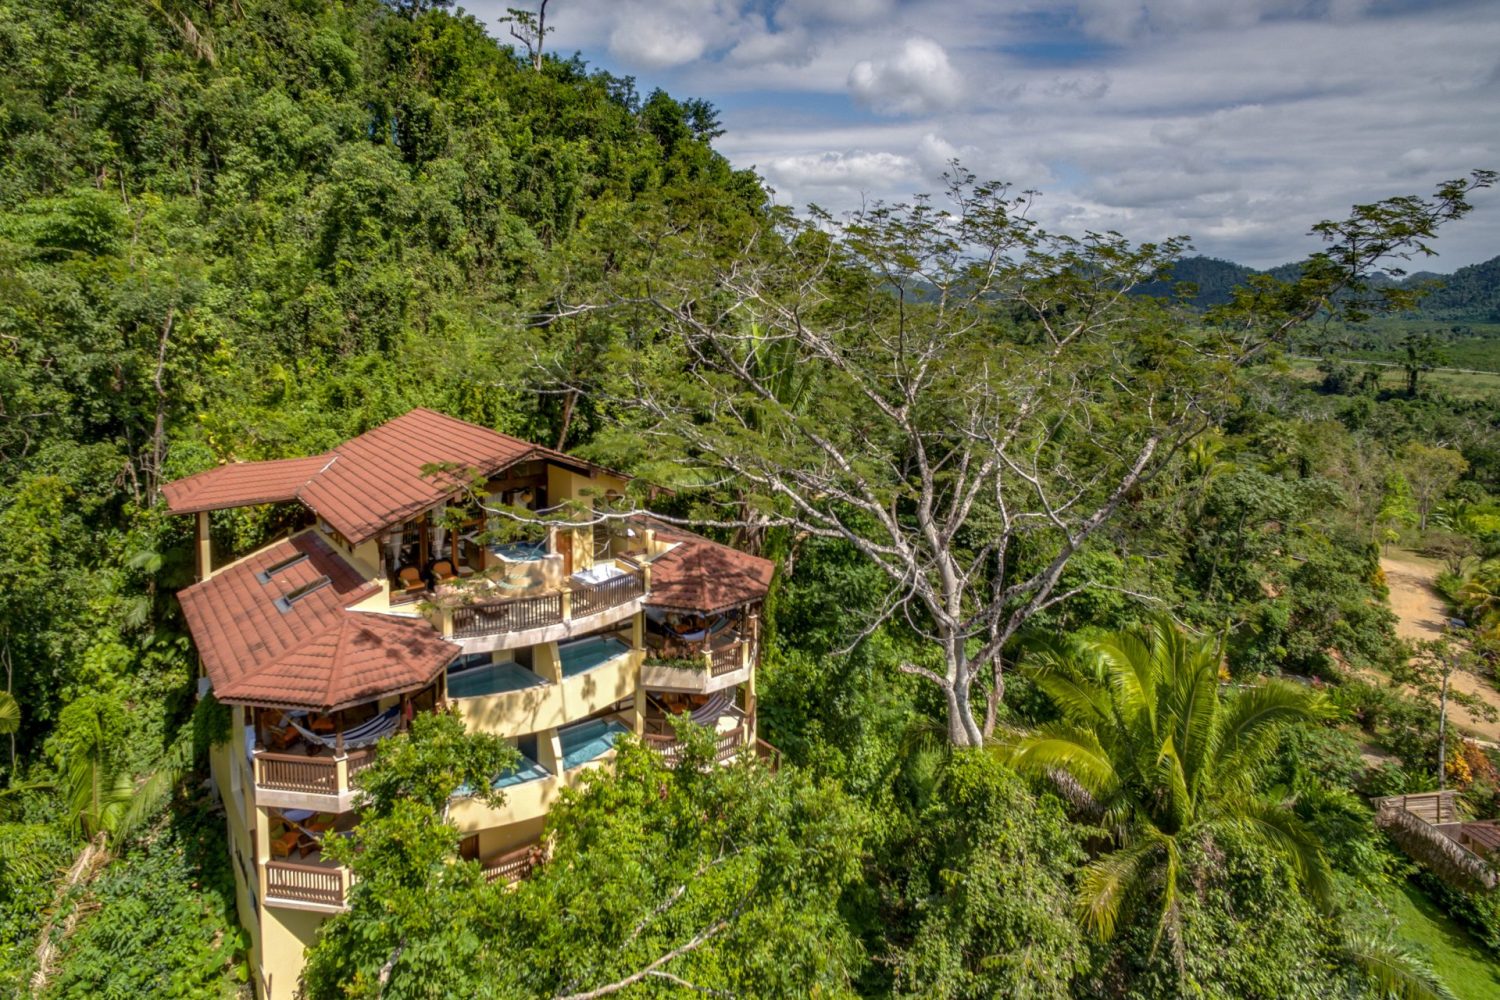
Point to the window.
(264, 576)
(285, 602)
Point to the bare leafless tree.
(961, 397)
(530, 29)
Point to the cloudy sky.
(1237, 122)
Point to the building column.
(205, 547)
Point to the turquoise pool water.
(490, 678)
(520, 551)
(526, 770)
(586, 654)
(587, 740)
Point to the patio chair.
(410, 579)
(283, 843)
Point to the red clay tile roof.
(704, 576)
(317, 654)
(374, 480)
(242, 484)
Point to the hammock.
(715, 627)
(362, 735)
(708, 713)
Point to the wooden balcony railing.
(592, 598)
(304, 883)
(291, 772)
(359, 760)
(518, 614)
(287, 772)
(726, 659)
(513, 865)
(513, 614)
(726, 746)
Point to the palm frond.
(1061, 745)
(1196, 711)
(1079, 701)
(1104, 884)
(10, 713)
(1132, 676)
(1253, 716)
(1394, 971)
(1279, 827)
(146, 800)
(1173, 778)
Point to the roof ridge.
(338, 653)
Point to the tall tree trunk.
(159, 429)
(1443, 731)
(963, 730)
(569, 401)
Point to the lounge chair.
(442, 571)
(410, 580)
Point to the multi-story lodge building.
(390, 596)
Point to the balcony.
(314, 884)
(486, 613)
(510, 700)
(513, 866)
(322, 782)
(700, 667)
(734, 726)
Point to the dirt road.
(1421, 614)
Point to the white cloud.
(1240, 123)
(918, 80)
(656, 41)
(792, 47)
(835, 11)
(853, 171)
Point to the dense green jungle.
(1079, 656)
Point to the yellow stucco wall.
(285, 937)
(535, 709)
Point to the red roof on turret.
(703, 576)
(310, 651)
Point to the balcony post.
(205, 547)
(341, 772)
(445, 623)
(706, 661)
(567, 605)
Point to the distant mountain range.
(1470, 293)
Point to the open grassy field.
(1464, 964)
(1481, 385)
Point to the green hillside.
(1469, 294)
(1076, 676)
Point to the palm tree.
(10, 722)
(1147, 745)
(1481, 597)
(104, 805)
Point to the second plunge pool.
(490, 678)
(586, 654)
(585, 741)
